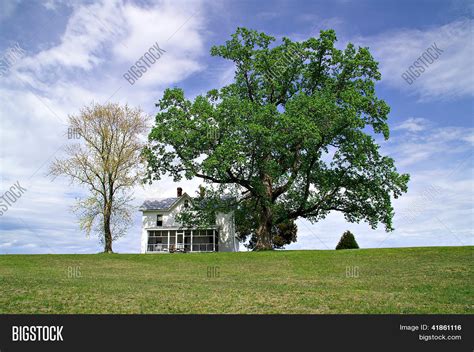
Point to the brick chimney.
(179, 191)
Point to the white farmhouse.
(161, 233)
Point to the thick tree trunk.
(264, 231)
(107, 232)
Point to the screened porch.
(195, 240)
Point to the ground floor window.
(202, 240)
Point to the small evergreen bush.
(347, 241)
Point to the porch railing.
(201, 247)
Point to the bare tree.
(108, 161)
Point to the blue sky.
(57, 56)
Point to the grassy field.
(403, 280)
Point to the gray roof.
(158, 204)
(167, 203)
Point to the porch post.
(191, 235)
(169, 241)
(213, 240)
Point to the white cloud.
(176, 27)
(418, 141)
(414, 124)
(111, 33)
(89, 28)
(450, 76)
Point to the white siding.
(227, 240)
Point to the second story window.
(186, 203)
(159, 220)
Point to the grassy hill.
(402, 280)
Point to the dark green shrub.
(347, 241)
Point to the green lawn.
(403, 280)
